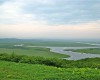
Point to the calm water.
(73, 55)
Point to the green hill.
(22, 71)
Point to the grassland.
(90, 50)
(7, 46)
(32, 51)
(21, 71)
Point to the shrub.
(84, 63)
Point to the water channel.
(73, 55)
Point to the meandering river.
(73, 55)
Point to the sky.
(50, 19)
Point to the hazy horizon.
(50, 19)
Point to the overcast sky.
(54, 19)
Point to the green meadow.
(21, 71)
(90, 50)
(32, 51)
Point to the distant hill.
(17, 40)
(48, 40)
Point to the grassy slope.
(20, 71)
(35, 51)
(90, 50)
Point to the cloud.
(49, 11)
(11, 13)
(50, 18)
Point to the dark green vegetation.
(90, 50)
(84, 63)
(21, 71)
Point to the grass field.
(21, 71)
(90, 50)
(34, 51)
